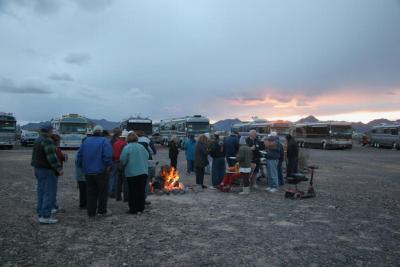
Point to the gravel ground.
(353, 221)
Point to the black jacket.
(217, 149)
(292, 149)
(173, 150)
(258, 146)
(200, 157)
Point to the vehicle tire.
(397, 146)
(303, 144)
(378, 145)
(324, 146)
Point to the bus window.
(394, 131)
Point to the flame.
(171, 176)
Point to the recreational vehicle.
(324, 135)
(8, 130)
(385, 136)
(183, 127)
(136, 124)
(71, 128)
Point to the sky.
(272, 59)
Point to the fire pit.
(167, 182)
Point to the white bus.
(8, 130)
(138, 124)
(71, 128)
(324, 135)
(385, 136)
(263, 128)
(183, 127)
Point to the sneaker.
(268, 189)
(273, 190)
(48, 220)
(255, 186)
(212, 187)
(204, 186)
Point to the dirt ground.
(353, 221)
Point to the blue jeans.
(280, 174)
(272, 167)
(218, 171)
(46, 191)
(112, 183)
(190, 166)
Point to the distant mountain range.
(225, 125)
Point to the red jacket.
(117, 148)
(60, 156)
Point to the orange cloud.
(346, 104)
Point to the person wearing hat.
(95, 158)
(47, 168)
(118, 146)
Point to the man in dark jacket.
(292, 155)
(256, 145)
(217, 153)
(95, 158)
(231, 147)
(47, 168)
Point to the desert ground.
(353, 221)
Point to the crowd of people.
(105, 166)
(246, 152)
(117, 166)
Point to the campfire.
(167, 182)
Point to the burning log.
(167, 182)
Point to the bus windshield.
(281, 130)
(7, 126)
(198, 127)
(147, 128)
(263, 129)
(73, 128)
(341, 130)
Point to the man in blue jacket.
(231, 147)
(272, 145)
(95, 159)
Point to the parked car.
(28, 137)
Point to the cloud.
(136, 92)
(28, 87)
(93, 5)
(42, 7)
(79, 59)
(61, 77)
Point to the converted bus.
(183, 127)
(324, 135)
(138, 124)
(263, 128)
(8, 130)
(71, 128)
(385, 136)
